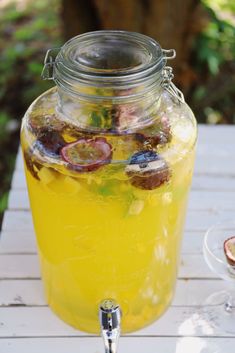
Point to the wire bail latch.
(49, 62)
(167, 75)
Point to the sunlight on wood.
(20, 4)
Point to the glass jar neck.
(109, 70)
(118, 115)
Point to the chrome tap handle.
(110, 320)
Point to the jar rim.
(79, 53)
(110, 60)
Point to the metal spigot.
(110, 320)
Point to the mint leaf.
(95, 119)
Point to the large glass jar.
(109, 155)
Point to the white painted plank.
(198, 200)
(26, 266)
(214, 165)
(18, 199)
(200, 182)
(216, 133)
(212, 147)
(30, 292)
(19, 266)
(18, 242)
(194, 266)
(24, 242)
(17, 292)
(213, 182)
(192, 243)
(197, 220)
(209, 136)
(17, 221)
(216, 145)
(41, 321)
(215, 161)
(33, 321)
(195, 292)
(19, 161)
(126, 344)
(215, 150)
(214, 200)
(18, 180)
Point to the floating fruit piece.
(50, 143)
(157, 134)
(124, 146)
(167, 198)
(46, 175)
(41, 123)
(136, 207)
(126, 117)
(32, 166)
(71, 185)
(229, 250)
(147, 170)
(87, 154)
(143, 157)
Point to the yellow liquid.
(100, 237)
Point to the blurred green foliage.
(216, 42)
(26, 32)
(212, 98)
(216, 45)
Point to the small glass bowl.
(219, 308)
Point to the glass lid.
(112, 53)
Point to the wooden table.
(27, 325)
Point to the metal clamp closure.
(168, 85)
(169, 54)
(49, 62)
(167, 72)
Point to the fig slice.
(147, 170)
(87, 154)
(229, 250)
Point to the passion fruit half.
(87, 154)
(147, 170)
(229, 250)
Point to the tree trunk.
(79, 16)
(173, 23)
